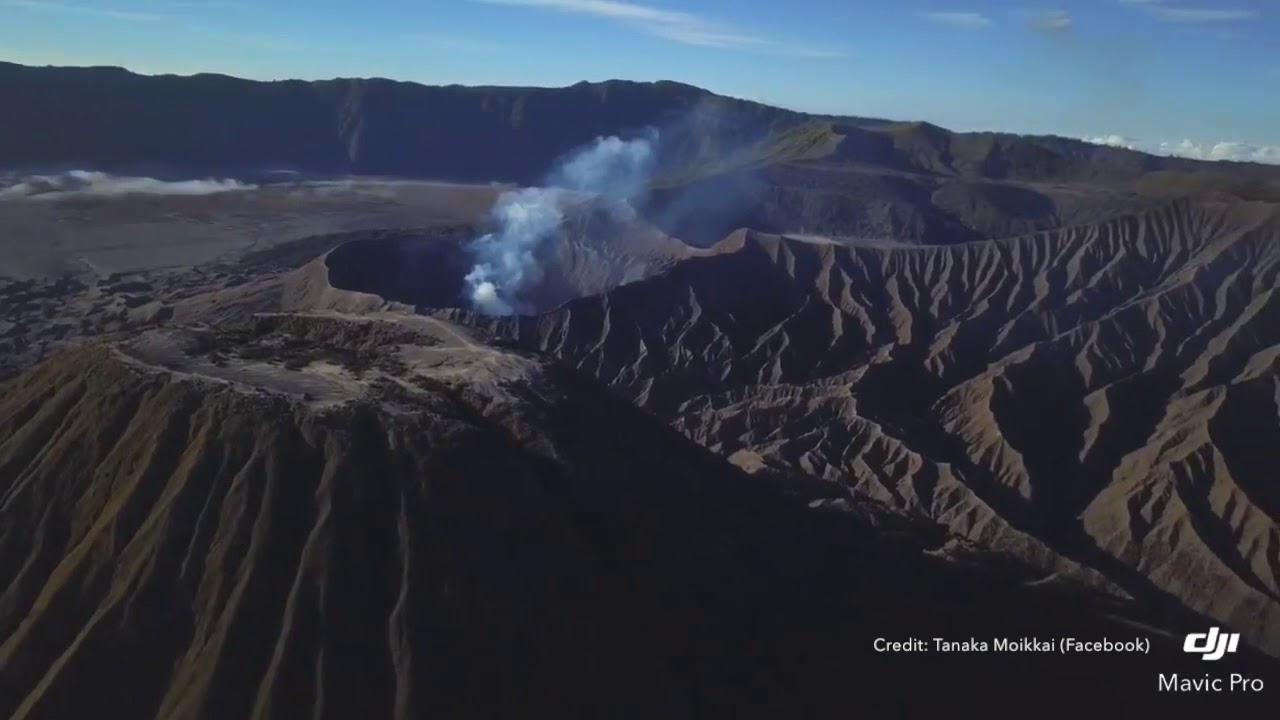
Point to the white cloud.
(1223, 150)
(1113, 140)
(1050, 20)
(1201, 15)
(1169, 11)
(674, 25)
(177, 23)
(211, 4)
(51, 6)
(962, 20)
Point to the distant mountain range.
(110, 118)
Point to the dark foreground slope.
(1102, 402)
(402, 523)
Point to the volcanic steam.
(506, 260)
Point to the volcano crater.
(594, 250)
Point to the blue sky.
(1190, 74)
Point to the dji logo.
(1213, 644)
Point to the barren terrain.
(1101, 402)
(827, 380)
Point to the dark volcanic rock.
(174, 547)
(1064, 397)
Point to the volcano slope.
(1099, 402)
(331, 516)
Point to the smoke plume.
(610, 166)
(506, 260)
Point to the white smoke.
(609, 166)
(84, 183)
(506, 260)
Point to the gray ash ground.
(41, 315)
(296, 342)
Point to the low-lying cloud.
(85, 183)
(677, 26)
(1223, 150)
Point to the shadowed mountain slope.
(1099, 401)
(319, 516)
(383, 127)
(214, 123)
